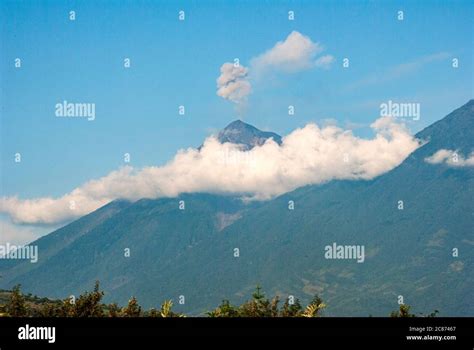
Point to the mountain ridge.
(239, 132)
(185, 252)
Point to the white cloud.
(296, 53)
(21, 234)
(324, 61)
(451, 158)
(309, 155)
(233, 83)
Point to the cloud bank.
(294, 54)
(450, 158)
(308, 155)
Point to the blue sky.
(177, 62)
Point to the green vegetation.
(408, 252)
(404, 311)
(15, 304)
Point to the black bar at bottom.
(410, 332)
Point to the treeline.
(89, 304)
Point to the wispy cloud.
(398, 71)
(324, 61)
(21, 234)
(450, 158)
